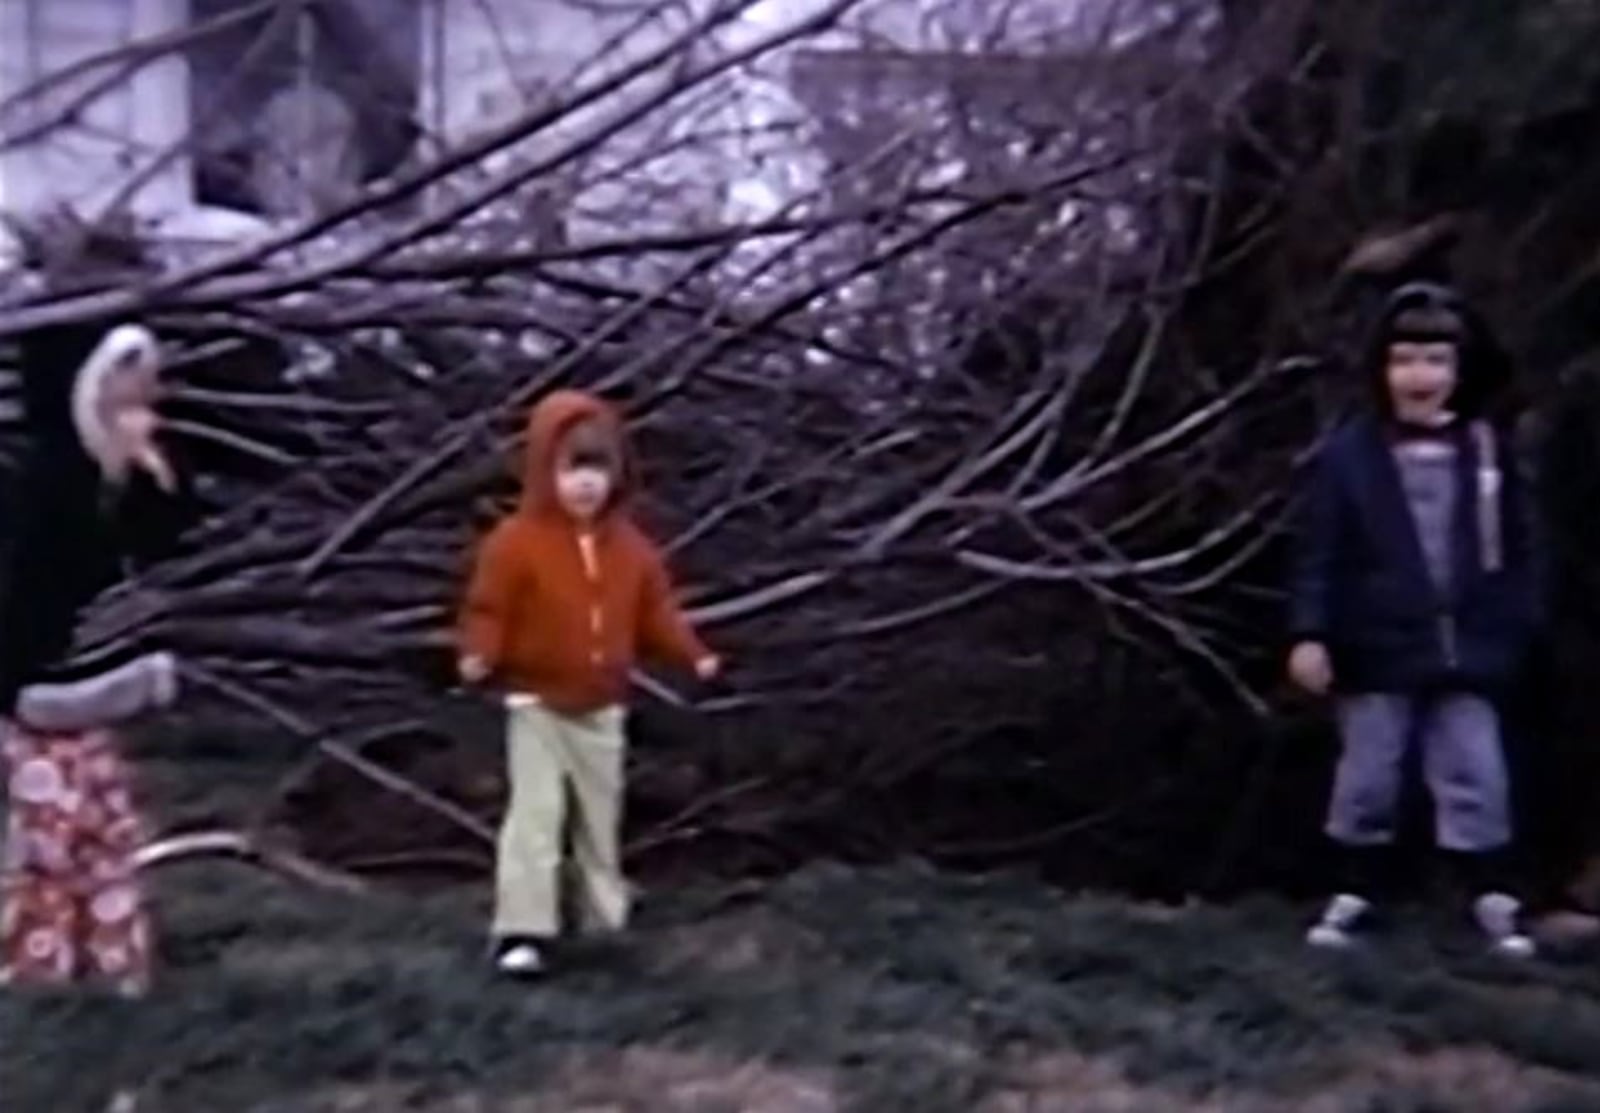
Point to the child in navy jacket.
(1415, 597)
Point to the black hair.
(1429, 312)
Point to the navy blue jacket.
(1361, 587)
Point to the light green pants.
(566, 774)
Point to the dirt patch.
(1453, 1078)
(1464, 1079)
(637, 1080)
(757, 939)
(1067, 1080)
(649, 1079)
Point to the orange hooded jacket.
(550, 623)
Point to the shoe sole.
(1521, 952)
(1331, 943)
(521, 973)
(522, 976)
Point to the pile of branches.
(924, 441)
(970, 453)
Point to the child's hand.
(473, 670)
(1311, 669)
(708, 668)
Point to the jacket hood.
(127, 352)
(549, 422)
(65, 374)
(1431, 311)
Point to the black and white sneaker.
(1499, 916)
(1342, 923)
(519, 958)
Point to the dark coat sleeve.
(73, 541)
(1314, 557)
(146, 525)
(57, 561)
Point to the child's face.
(583, 489)
(587, 470)
(1422, 377)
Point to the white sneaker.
(1341, 922)
(1497, 916)
(520, 960)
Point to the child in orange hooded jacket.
(565, 593)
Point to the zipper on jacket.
(591, 570)
(1448, 641)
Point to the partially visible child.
(96, 491)
(567, 591)
(1415, 597)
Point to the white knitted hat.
(125, 350)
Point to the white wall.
(486, 62)
(119, 133)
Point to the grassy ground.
(834, 990)
(837, 989)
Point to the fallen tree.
(971, 449)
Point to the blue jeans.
(1462, 759)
